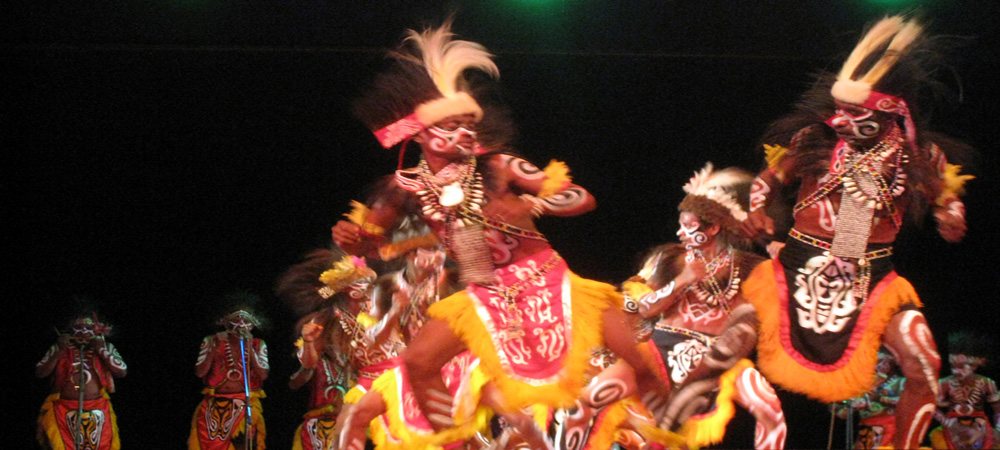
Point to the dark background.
(161, 154)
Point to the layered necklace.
(234, 373)
(708, 289)
(458, 186)
(349, 323)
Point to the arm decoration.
(633, 291)
(953, 184)
(557, 178)
(774, 154)
(564, 200)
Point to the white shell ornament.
(451, 195)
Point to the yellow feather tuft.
(774, 154)
(358, 213)
(557, 179)
(954, 183)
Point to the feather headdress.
(718, 196)
(427, 86)
(721, 187)
(899, 35)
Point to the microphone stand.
(850, 424)
(81, 384)
(246, 391)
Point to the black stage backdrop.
(161, 154)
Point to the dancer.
(406, 294)
(75, 417)
(331, 292)
(233, 365)
(831, 298)
(530, 321)
(964, 396)
(705, 328)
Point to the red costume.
(82, 367)
(482, 208)
(220, 418)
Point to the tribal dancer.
(71, 417)
(332, 292)
(964, 396)
(831, 298)
(705, 328)
(876, 408)
(394, 422)
(324, 349)
(530, 321)
(219, 422)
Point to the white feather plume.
(446, 59)
(719, 187)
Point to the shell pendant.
(451, 195)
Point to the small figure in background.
(233, 366)
(964, 395)
(73, 417)
(877, 409)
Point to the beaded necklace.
(349, 323)
(717, 295)
(234, 373)
(455, 196)
(868, 166)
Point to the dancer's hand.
(311, 330)
(951, 224)
(346, 234)
(757, 223)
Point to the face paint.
(358, 290)
(82, 329)
(858, 125)
(457, 141)
(240, 321)
(691, 232)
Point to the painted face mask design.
(692, 234)
(241, 322)
(442, 140)
(83, 329)
(860, 124)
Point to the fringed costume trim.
(390, 431)
(48, 422)
(849, 377)
(589, 301)
(709, 428)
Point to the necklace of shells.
(456, 187)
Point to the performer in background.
(220, 421)
(964, 396)
(331, 292)
(82, 366)
(705, 329)
(529, 320)
(877, 408)
(832, 298)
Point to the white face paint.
(692, 233)
(359, 290)
(241, 322)
(458, 141)
(82, 329)
(859, 125)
